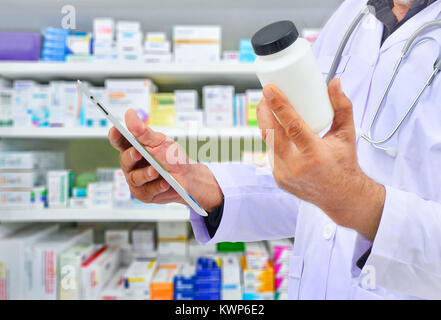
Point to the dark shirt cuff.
(363, 259)
(212, 222)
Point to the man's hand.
(144, 181)
(323, 171)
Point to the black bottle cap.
(274, 38)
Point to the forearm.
(255, 208)
(363, 206)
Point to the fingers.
(129, 158)
(141, 176)
(117, 140)
(343, 114)
(272, 132)
(143, 133)
(165, 197)
(149, 191)
(295, 128)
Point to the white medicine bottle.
(287, 61)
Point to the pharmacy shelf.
(160, 73)
(101, 133)
(96, 215)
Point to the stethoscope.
(410, 44)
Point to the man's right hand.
(144, 181)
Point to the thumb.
(142, 132)
(343, 115)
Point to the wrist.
(203, 187)
(370, 205)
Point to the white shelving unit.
(238, 19)
(96, 215)
(101, 133)
(161, 74)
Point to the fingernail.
(164, 185)
(268, 93)
(135, 155)
(150, 171)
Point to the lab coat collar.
(403, 33)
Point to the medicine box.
(240, 112)
(117, 237)
(258, 296)
(195, 249)
(161, 287)
(123, 94)
(60, 184)
(54, 44)
(162, 112)
(253, 99)
(103, 29)
(44, 258)
(143, 240)
(190, 119)
(114, 290)
(157, 47)
(6, 105)
(100, 194)
(121, 239)
(256, 255)
(231, 278)
(128, 26)
(185, 277)
(197, 44)
(40, 105)
(31, 160)
(22, 111)
(186, 100)
(122, 198)
(23, 198)
(79, 43)
(157, 58)
(173, 248)
(138, 277)
(208, 279)
(21, 178)
(172, 231)
(70, 270)
(155, 37)
(74, 111)
(218, 106)
(57, 104)
(98, 270)
(246, 52)
(14, 270)
(230, 57)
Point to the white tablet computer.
(143, 151)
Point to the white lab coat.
(406, 257)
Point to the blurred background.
(186, 67)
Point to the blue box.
(183, 295)
(208, 296)
(246, 51)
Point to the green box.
(231, 247)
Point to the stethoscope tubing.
(407, 48)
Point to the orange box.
(161, 287)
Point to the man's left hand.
(323, 171)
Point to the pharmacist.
(367, 225)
